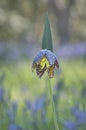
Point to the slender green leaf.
(47, 37)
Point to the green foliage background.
(71, 81)
(22, 19)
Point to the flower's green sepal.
(47, 37)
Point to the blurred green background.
(24, 98)
(21, 19)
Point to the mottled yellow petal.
(44, 62)
(39, 71)
(50, 71)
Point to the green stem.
(53, 108)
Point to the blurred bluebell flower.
(70, 125)
(45, 60)
(39, 103)
(80, 117)
(19, 128)
(2, 91)
(11, 115)
(14, 106)
(12, 127)
(75, 109)
(43, 116)
(28, 104)
(59, 85)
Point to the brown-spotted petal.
(50, 71)
(40, 71)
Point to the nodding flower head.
(45, 60)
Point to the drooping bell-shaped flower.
(45, 60)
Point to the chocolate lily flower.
(45, 60)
